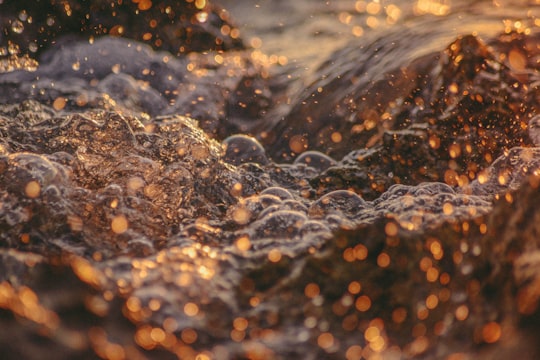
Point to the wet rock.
(128, 76)
(425, 92)
(446, 127)
(119, 165)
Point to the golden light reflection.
(418, 346)
(383, 260)
(354, 352)
(188, 336)
(191, 309)
(202, 16)
(393, 13)
(119, 224)
(243, 243)
(207, 271)
(59, 103)
(25, 238)
(391, 229)
(143, 5)
(298, 143)
(143, 339)
(200, 4)
(399, 315)
(354, 287)
(237, 335)
(241, 215)
(434, 7)
(16, 62)
(432, 301)
(432, 274)
(363, 303)
(373, 8)
(325, 340)
(357, 31)
(311, 290)
(491, 332)
(462, 312)
(274, 255)
(25, 303)
(103, 347)
(203, 356)
(86, 272)
(32, 189)
(371, 333)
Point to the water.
(307, 32)
(361, 183)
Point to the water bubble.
(314, 227)
(23, 15)
(279, 224)
(278, 191)
(343, 202)
(294, 205)
(270, 209)
(316, 160)
(249, 208)
(240, 149)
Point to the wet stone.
(127, 75)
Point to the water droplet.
(17, 27)
(202, 16)
(33, 47)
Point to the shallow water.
(360, 183)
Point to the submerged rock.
(462, 109)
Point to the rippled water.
(307, 32)
(359, 181)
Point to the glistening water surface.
(308, 179)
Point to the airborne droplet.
(17, 27)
